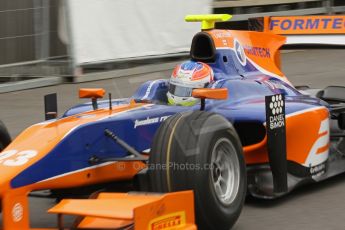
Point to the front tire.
(201, 152)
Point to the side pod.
(142, 210)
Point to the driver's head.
(186, 77)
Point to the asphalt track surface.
(318, 207)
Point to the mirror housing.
(208, 93)
(92, 93)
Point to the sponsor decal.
(168, 222)
(15, 158)
(308, 24)
(276, 107)
(240, 54)
(318, 170)
(258, 51)
(222, 38)
(222, 34)
(150, 121)
(17, 212)
(320, 150)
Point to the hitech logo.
(258, 51)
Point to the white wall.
(102, 30)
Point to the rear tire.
(5, 138)
(201, 152)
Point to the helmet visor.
(180, 91)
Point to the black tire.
(185, 144)
(5, 138)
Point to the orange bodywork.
(148, 211)
(224, 39)
(108, 210)
(16, 201)
(299, 142)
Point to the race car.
(252, 131)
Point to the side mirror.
(93, 93)
(207, 93)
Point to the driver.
(186, 77)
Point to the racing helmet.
(186, 77)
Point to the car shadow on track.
(304, 190)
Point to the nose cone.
(31, 145)
(38, 141)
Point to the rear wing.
(306, 31)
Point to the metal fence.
(29, 39)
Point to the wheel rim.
(225, 171)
